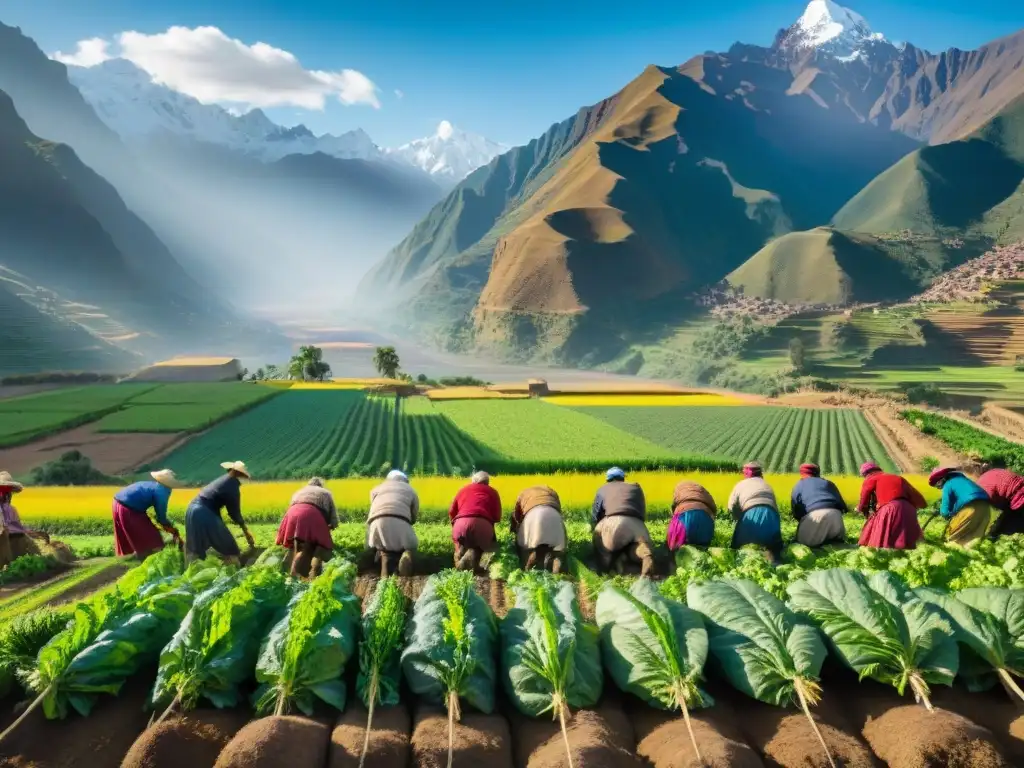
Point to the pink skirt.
(134, 532)
(306, 523)
(892, 526)
(474, 532)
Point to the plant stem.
(371, 694)
(561, 707)
(689, 727)
(1010, 684)
(170, 708)
(281, 699)
(31, 708)
(453, 714)
(920, 689)
(799, 687)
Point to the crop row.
(968, 440)
(838, 440)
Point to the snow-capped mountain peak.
(449, 154)
(129, 102)
(830, 28)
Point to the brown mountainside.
(585, 239)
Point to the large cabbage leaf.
(215, 649)
(550, 657)
(988, 622)
(56, 678)
(654, 648)
(880, 629)
(304, 656)
(763, 648)
(451, 644)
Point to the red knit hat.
(940, 474)
(868, 467)
(810, 470)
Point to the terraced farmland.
(184, 407)
(781, 438)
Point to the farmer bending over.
(617, 520)
(394, 507)
(1005, 490)
(539, 529)
(15, 538)
(693, 516)
(205, 528)
(134, 532)
(756, 512)
(965, 504)
(475, 511)
(891, 504)
(818, 507)
(306, 528)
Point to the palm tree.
(309, 364)
(385, 360)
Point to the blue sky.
(506, 70)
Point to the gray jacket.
(394, 498)
(618, 498)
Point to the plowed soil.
(278, 742)
(663, 740)
(194, 740)
(111, 453)
(389, 738)
(480, 740)
(907, 735)
(98, 741)
(601, 738)
(993, 710)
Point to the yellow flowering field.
(588, 401)
(87, 509)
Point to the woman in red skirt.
(134, 532)
(892, 504)
(306, 527)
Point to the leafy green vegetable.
(654, 648)
(452, 639)
(20, 642)
(761, 647)
(880, 629)
(380, 649)
(988, 622)
(551, 657)
(304, 656)
(215, 648)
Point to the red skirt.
(893, 526)
(306, 523)
(474, 532)
(134, 532)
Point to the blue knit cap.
(615, 474)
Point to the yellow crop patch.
(589, 401)
(267, 501)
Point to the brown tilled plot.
(276, 742)
(111, 454)
(194, 740)
(480, 740)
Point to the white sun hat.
(237, 466)
(166, 477)
(6, 481)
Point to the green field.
(23, 419)
(838, 440)
(184, 407)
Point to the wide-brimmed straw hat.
(940, 474)
(237, 466)
(166, 477)
(8, 483)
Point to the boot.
(466, 561)
(555, 564)
(646, 557)
(619, 565)
(405, 564)
(383, 564)
(531, 561)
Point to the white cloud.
(399, 94)
(214, 68)
(88, 53)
